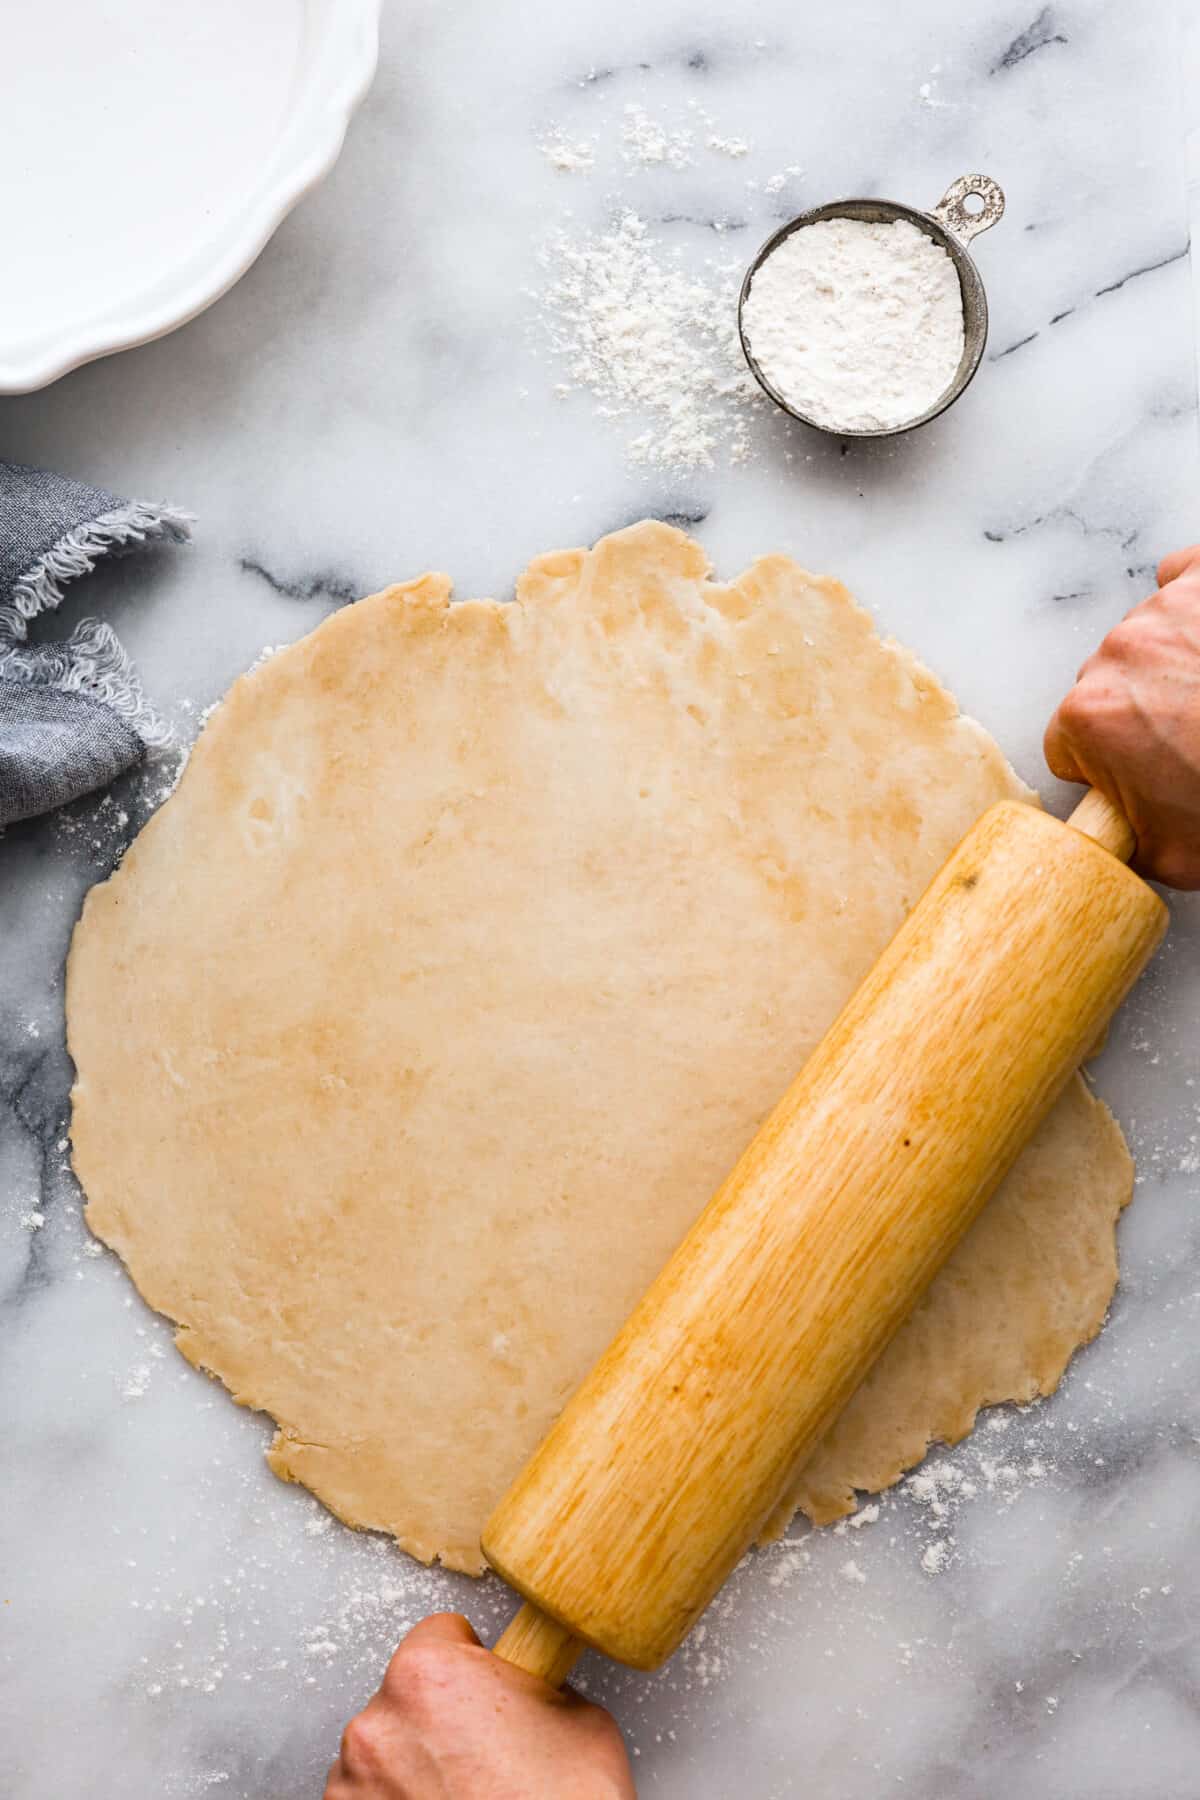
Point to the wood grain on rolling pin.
(665, 1464)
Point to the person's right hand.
(1131, 724)
(453, 1722)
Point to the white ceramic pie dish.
(147, 153)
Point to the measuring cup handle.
(965, 225)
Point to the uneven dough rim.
(431, 594)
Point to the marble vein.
(321, 586)
(1038, 36)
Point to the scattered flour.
(646, 337)
(137, 1382)
(727, 146)
(857, 325)
(640, 323)
(775, 184)
(787, 1566)
(264, 656)
(570, 157)
(927, 93)
(308, 1609)
(928, 1503)
(646, 143)
(866, 1515)
(943, 1485)
(220, 1637)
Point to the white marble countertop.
(378, 396)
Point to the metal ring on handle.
(965, 225)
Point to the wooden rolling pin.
(671, 1455)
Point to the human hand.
(1131, 724)
(453, 1722)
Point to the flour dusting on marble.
(650, 340)
(647, 141)
(569, 155)
(637, 313)
(997, 1465)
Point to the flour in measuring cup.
(857, 325)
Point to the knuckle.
(414, 1671)
(1102, 698)
(1071, 706)
(360, 1745)
(1076, 710)
(1121, 642)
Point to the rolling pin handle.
(1105, 824)
(535, 1642)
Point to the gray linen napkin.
(72, 713)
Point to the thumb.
(1059, 754)
(442, 1628)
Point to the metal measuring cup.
(951, 225)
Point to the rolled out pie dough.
(473, 947)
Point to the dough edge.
(428, 597)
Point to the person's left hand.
(453, 1722)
